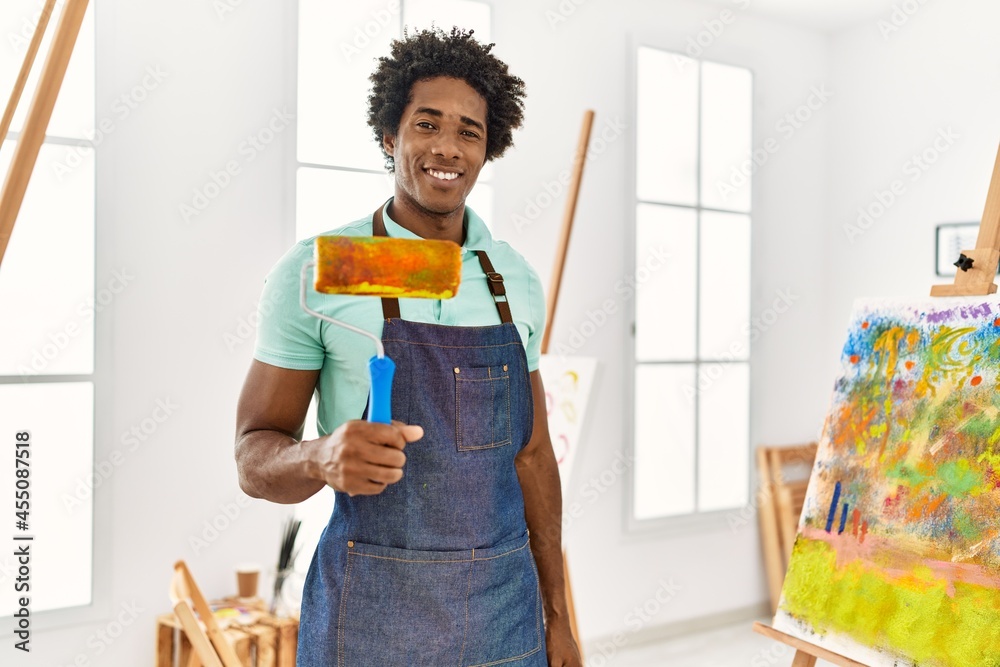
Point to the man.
(427, 558)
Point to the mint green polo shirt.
(289, 337)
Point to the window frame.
(101, 607)
(696, 521)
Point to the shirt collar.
(477, 234)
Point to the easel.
(553, 297)
(977, 269)
(40, 111)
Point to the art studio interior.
(682, 347)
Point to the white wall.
(939, 70)
(165, 333)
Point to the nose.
(446, 144)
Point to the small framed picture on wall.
(951, 239)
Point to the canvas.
(897, 559)
(568, 382)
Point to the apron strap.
(390, 305)
(495, 282)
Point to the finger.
(381, 455)
(366, 489)
(410, 431)
(379, 474)
(381, 434)
(395, 435)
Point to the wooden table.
(269, 641)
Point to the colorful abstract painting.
(897, 560)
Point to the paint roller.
(380, 266)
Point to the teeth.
(443, 175)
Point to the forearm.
(539, 477)
(275, 466)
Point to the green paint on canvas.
(957, 478)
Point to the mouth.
(442, 175)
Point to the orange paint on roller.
(388, 267)
(383, 267)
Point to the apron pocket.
(482, 407)
(505, 608)
(402, 606)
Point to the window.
(690, 349)
(49, 306)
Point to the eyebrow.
(437, 113)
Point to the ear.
(389, 143)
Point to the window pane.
(338, 44)
(50, 261)
(60, 418)
(725, 286)
(664, 440)
(447, 13)
(665, 292)
(723, 436)
(328, 198)
(73, 115)
(666, 127)
(726, 117)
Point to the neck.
(427, 224)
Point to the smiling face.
(439, 149)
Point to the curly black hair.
(431, 53)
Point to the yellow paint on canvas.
(909, 614)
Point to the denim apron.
(436, 570)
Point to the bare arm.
(270, 417)
(538, 473)
(357, 458)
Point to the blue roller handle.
(380, 399)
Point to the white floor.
(733, 646)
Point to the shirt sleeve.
(536, 327)
(287, 336)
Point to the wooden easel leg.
(805, 653)
(803, 659)
(29, 60)
(37, 120)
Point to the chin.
(442, 207)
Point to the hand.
(561, 647)
(361, 457)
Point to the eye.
(424, 123)
(471, 134)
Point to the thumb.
(410, 432)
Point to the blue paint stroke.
(833, 508)
(843, 520)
